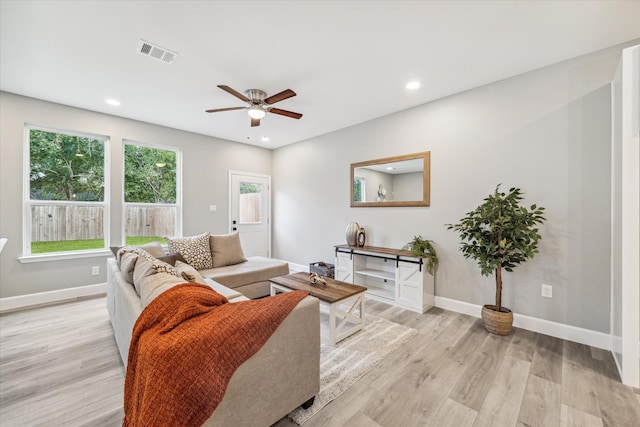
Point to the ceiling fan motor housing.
(256, 96)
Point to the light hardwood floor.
(59, 366)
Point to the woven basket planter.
(497, 322)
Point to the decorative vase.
(362, 235)
(497, 322)
(351, 234)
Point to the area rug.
(341, 366)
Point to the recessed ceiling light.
(113, 102)
(265, 139)
(413, 85)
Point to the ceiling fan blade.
(285, 113)
(217, 110)
(279, 96)
(255, 122)
(234, 93)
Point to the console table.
(390, 275)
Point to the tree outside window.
(150, 193)
(358, 189)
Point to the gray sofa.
(285, 372)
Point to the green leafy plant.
(500, 233)
(424, 248)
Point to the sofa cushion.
(256, 269)
(154, 248)
(226, 250)
(147, 266)
(228, 293)
(154, 284)
(189, 273)
(127, 263)
(195, 250)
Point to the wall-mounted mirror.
(393, 181)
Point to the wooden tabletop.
(386, 251)
(334, 291)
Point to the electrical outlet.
(547, 291)
(95, 270)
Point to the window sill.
(63, 256)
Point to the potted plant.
(500, 233)
(423, 248)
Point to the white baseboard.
(558, 330)
(50, 297)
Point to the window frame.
(27, 203)
(177, 204)
(363, 194)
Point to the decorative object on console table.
(323, 269)
(351, 234)
(500, 233)
(317, 280)
(424, 248)
(362, 236)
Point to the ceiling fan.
(258, 103)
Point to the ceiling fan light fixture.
(256, 112)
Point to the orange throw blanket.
(186, 345)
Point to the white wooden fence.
(250, 208)
(151, 221)
(66, 222)
(73, 222)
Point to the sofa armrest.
(281, 376)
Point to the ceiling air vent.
(157, 52)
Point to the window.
(151, 193)
(358, 189)
(66, 197)
(250, 209)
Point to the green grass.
(66, 245)
(83, 245)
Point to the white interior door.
(250, 212)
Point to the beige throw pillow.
(152, 286)
(189, 273)
(195, 250)
(226, 250)
(148, 266)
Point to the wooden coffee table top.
(334, 291)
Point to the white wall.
(206, 162)
(625, 306)
(547, 132)
(407, 186)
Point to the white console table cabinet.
(390, 275)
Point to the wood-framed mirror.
(392, 181)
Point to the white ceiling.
(348, 61)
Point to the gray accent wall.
(547, 132)
(205, 161)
